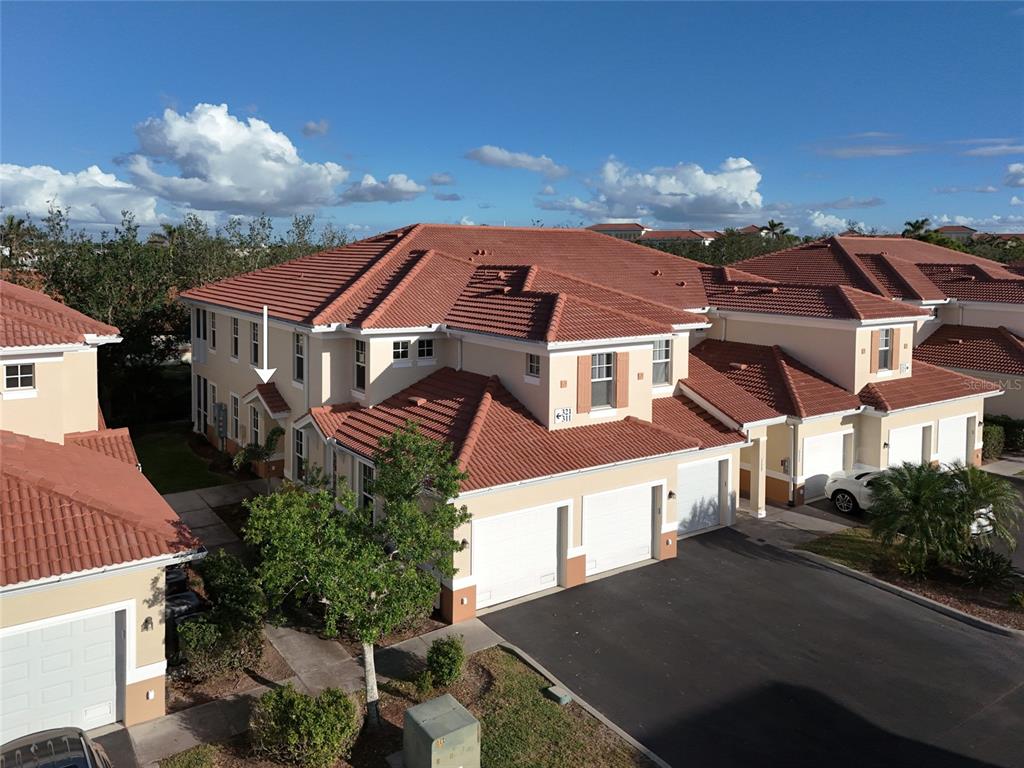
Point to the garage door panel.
(906, 444)
(61, 675)
(952, 441)
(698, 497)
(823, 455)
(617, 528)
(515, 554)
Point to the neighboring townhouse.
(557, 364)
(622, 230)
(664, 236)
(85, 538)
(957, 232)
(959, 290)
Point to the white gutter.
(870, 410)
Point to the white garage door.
(617, 528)
(58, 676)
(953, 440)
(699, 496)
(515, 554)
(823, 455)
(906, 444)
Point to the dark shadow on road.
(788, 725)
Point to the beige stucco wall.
(574, 487)
(873, 431)
(1008, 315)
(904, 354)
(144, 586)
(66, 397)
(509, 365)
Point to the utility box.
(441, 733)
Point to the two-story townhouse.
(85, 538)
(557, 363)
(977, 304)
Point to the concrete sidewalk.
(789, 528)
(317, 663)
(196, 509)
(1007, 466)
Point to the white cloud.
(1016, 200)
(1014, 175)
(548, 191)
(316, 127)
(676, 193)
(827, 222)
(849, 202)
(441, 179)
(467, 222)
(92, 196)
(396, 188)
(229, 165)
(996, 150)
(993, 223)
(503, 158)
(984, 189)
(447, 197)
(875, 150)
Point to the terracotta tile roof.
(818, 263)
(926, 384)
(776, 379)
(975, 282)
(271, 398)
(724, 395)
(631, 226)
(115, 443)
(31, 318)
(955, 228)
(65, 509)
(497, 440)
(367, 283)
(730, 289)
(973, 348)
(750, 229)
(681, 415)
(672, 234)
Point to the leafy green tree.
(980, 490)
(254, 452)
(916, 227)
(731, 247)
(776, 229)
(372, 570)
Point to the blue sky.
(702, 115)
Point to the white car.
(850, 493)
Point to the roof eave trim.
(870, 410)
(821, 416)
(96, 340)
(707, 406)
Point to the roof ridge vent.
(417, 400)
(738, 366)
(954, 341)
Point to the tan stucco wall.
(1008, 315)
(66, 396)
(144, 586)
(386, 376)
(575, 487)
(904, 354)
(509, 365)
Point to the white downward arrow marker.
(265, 373)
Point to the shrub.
(234, 590)
(993, 441)
(1013, 430)
(445, 659)
(291, 727)
(984, 567)
(424, 682)
(912, 568)
(1017, 600)
(212, 649)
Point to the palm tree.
(980, 490)
(776, 229)
(916, 227)
(916, 509)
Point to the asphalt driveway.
(739, 654)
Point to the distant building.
(622, 230)
(957, 232)
(753, 229)
(658, 236)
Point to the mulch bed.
(182, 693)
(991, 604)
(414, 629)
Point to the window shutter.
(622, 379)
(583, 384)
(897, 348)
(874, 351)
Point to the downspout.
(792, 467)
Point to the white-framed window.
(200, 323)
(254, 425)
(400, 350)
(234, 337)
(299, 372)
(602, 380)
(662, 373)
(213, 330)
(299, 442)
(360, 365)
(234, 417)
(213, 396)
(885, 349)
(425, 349)
(20, 376)
(365, 489)
(532, 365)
(254, 343)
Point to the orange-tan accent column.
(458, 604)
(758, 474)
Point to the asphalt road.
(740, 654)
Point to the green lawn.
(170, 463)
(852, 547)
